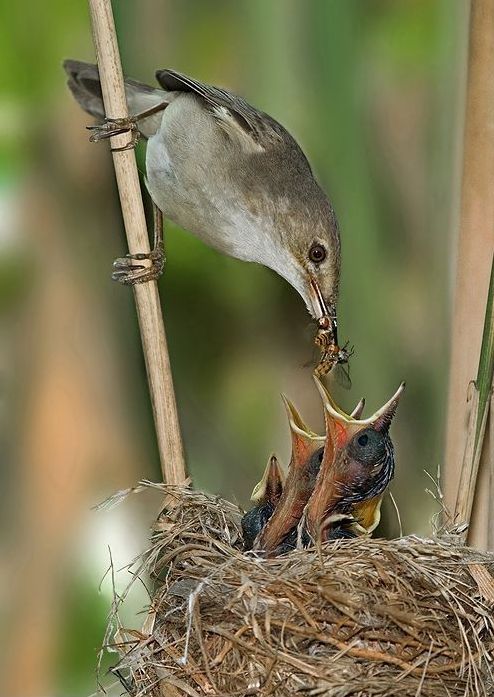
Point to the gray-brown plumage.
(233, 176)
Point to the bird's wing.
(85, 85)
(234, 114)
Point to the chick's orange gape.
(334, 485)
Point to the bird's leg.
(115, 127)
(128, 272)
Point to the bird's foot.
(115, 127)
(130, 272)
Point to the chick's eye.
(368, 446)
(317, 253)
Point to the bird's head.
(317, 273)
(305, 250)
(357, 465)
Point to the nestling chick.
(357, 466)
(279, 534)
(334, 485)
(307, 449)
(266, 495)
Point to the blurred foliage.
(85, 615)
(371, 91)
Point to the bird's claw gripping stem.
(130, 273)
(115, 127)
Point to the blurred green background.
(373, 91)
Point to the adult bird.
(231, 175)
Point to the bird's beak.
(304, 441)
(343, 427)
(270, 488)
(319, 305)
(340, 429)
(298, 486)
(358, 410)
(368, 515)
(321, 308)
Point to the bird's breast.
(205, 201)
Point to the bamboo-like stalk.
(490, 460)
(475, 250)
(146, 294)
(480, 401)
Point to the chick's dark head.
(357, 466)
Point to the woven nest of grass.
(353, 617)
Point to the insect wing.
(341, 374)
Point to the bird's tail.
(85, 86)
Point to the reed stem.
(481, 392)
(466, 417)
(146, 294)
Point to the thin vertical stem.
(480, 400)
(475, 250)
(146, 295)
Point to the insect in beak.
(327, 335)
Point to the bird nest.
(350, 617)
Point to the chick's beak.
(270, 488)
(304, 441)
(340, 429)
(298, 485)
(368, 514)
(350, 424)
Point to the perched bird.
(357, 466)
(266, 495)
(234, 177)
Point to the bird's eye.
(317, 253)
(368, 446)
